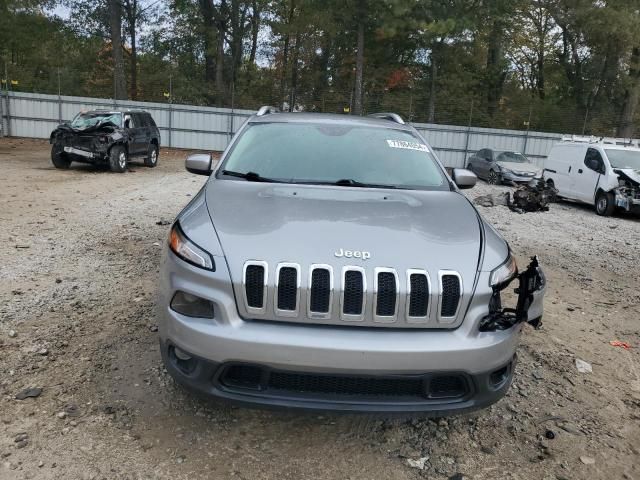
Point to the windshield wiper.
(350, 182)
(250, 176)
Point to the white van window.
(624, 158)
(593, 160)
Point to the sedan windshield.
(511, 157)
(624, 158)
(82, 121)
(336, 154)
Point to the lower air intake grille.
(353, 292)
(386, 295)
(320, 291)
(345, 385)
(450, 295)
(287, 288)
(449, 386)
(254, 286)
(419, 299)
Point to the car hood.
(432, 230)
(629, 174)
(520, 167)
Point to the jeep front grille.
(449, 294)
(393, 299)
(255, 286)
(353, 294)
(418, 294)
(320, 289)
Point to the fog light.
(191, 305)
(182, 360)
(181, 355)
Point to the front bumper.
(429, 393)
(354, 353)
(513, 177)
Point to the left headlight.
(506, 272)
(189, 251)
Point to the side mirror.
(464, 178)
(198, 163)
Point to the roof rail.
(626, 142)
(266, 109)
(394, 117)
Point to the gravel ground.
(78, 266)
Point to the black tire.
(151, 160)
(550, 184)
(118, 159)
(605, 204)
(470, 168)
(59, 158)
(493, 178)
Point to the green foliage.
(554, 65)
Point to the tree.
(115, 24)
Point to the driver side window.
(593, 160)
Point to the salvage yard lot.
(78, 268)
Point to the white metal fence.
(210, 128)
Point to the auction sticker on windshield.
(407, 145)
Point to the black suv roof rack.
(394, 117)
(266, 110)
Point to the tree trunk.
(433, 83)
(220, 87)
(115, 24)
(131, 8)
(540, 87)
(255, 28)
(208, 24)
(294, 73)
(632, 94)
(357, 105)
(495, 73)
(285, 56)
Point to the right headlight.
(506, 272)
(189, 251)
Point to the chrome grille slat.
(353, 298)
(287, 292)
(450, 295)
(385, 292)
(418, 304)
(408, 295)
(320, 291)
(255, 295)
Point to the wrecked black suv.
(106, 137)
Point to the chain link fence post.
(59, 99)
(6, 98)
(170, 107)
(466, 144)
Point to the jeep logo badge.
(364, 255)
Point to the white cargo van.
(603, 173)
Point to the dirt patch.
(78, 268)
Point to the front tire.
(493, 178)
(59, 158)
(151, 160)
(118, 159)
(605, 205)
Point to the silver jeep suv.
(330, 262)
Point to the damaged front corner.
(530, 291)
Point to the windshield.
(512, 157)
(82, 121)
(322, 153)
(624, 158)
